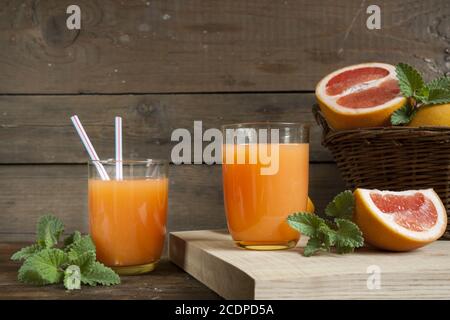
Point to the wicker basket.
(392, 158)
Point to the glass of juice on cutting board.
(127, 213)
(265, 179)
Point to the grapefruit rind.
(341, 117)
(380, 229)
(433, 115)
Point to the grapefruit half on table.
(399, 221)
(362, 95)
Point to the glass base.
(135, 270)
(266, 246)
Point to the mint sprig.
(403, 115)
(341, 233)
(26, 252)
(49, 229)
(442, 82)
(72, 264)
(43, 267)
(437, 96)
(418, 93)
(99, 274)
(342, 205)
(409, 79)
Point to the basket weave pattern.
(392, 158)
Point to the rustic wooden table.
(166, 282)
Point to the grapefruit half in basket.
(362, 95)
(399, 221)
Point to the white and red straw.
(89, 147)
(119, 164)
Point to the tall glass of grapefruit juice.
(127, 217)
(257, 203)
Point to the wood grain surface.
(166, 282)
(37, 129)
(209, 45)
(234, 273)
(195, 196)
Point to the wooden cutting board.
(234, 273)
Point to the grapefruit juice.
(257, 205)
(127, 220)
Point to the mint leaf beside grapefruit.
(403, 115)
(440, 83)
(324, 234)
(418, 93)
(306, 223)
(409, 79)
(438, 96)
(348, 236)
(341, 206)
(314, 245)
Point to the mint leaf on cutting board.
(308, 224)
(341, 233)
(348, 236)
(342, 205)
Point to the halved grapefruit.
(362, 95)
(399, 221)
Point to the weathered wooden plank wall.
(208, 45)
(44, 133)
(162, 65)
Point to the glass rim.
(243, 125)
(130, 161)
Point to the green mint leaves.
(404, 115)
(409, 79)
(323, 234)
(82, 253)
(72, 264)
(443, 82)
(418, 93)
(43, 267)
(98, 273)
(436, 96)
(49, 229)
(342, 206)
(26, 252)
(347, 236)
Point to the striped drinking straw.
(89, 147)
(119, 165)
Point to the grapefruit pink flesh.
(371, 97)
(350, 78)
(359, 96)
(414, 212)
